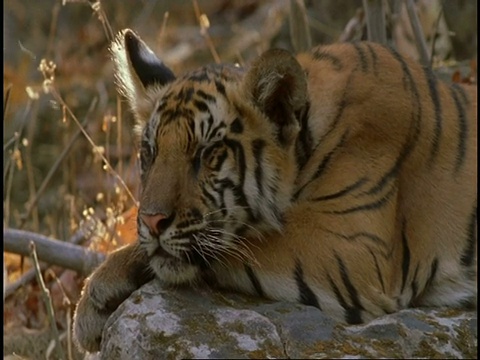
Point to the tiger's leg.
(124, 271)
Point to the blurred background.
(55, 180)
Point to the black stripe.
(460, 90)
(352, 291)
(321, 55)
(377, 267)
(375, 238)
(373, 54)
(304, 144)
(189, 94)
(254, 280)
(361, 57)
(405, 257)
(236, 127)
(237, 148)
(214, 130)
(323, 164)
(342, 192)
(433, 272)
(342, 302)
(307, 296)
(210, 198)
(432, 86)
(206, 97)
(366, 207)
(238, 194)
(414, 285)
(462, 129)
(220, 87)
(200, 105)
(414, 127)
(257, 151)
(468, 255)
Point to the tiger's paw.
(100, 298)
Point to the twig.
(375, 16)
(29, 166)
(299, 28)
(434, 37)
(52, 251)
(53, 28)
(354, 29)
(102, 17)
(47, 299)
(417, 31)
(204, 25)
(68, 304)
(8, 91)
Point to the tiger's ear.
(138, 72)
(277, 84)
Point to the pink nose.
(153, 222)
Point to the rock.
(155, 323)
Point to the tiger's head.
(217, 153)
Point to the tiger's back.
(384, 215)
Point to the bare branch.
(375, 16)
(299, 29)
(417, 31)
(52, 251)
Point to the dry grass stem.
(47, 300)
(299, 28)
(204, 24)
(375, 16)
(417, 31)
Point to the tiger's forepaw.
(100, 298)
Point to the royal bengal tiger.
(343, 178)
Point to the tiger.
(342, 178)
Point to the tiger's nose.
(157, 223)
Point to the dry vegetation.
(70, 163)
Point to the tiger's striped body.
(345, 179)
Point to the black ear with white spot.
(277, 84)
(138, 70)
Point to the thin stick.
(434, 37)
(8, 91)
(68, 304)
(299, 27)
(375, 16)
(47, 300)
(417, 31)
(53, 28)
(98, 9)
(29, 165)
(204, 25)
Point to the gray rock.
(155, 323)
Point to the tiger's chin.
(173, 271)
